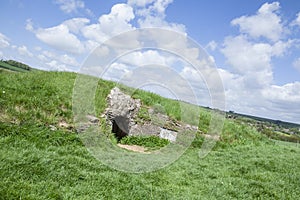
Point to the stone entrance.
(121, 111)
(120, 127)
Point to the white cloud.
(273, 101)
(68, 60)
(139, 58)
(69, 6)
(296, 22)
(90, 45)
(245, 56)
(212, 45)
(38, 48)
(296, 64)
(60, 38)
(286, 94)
(283, 101)
(3, 41)
(249, 84)
(54, 65)
(149, 7)
(76, 24)
(266, 23)
(139, 3)
(154, 21)
(49, 54)
(152, 14)
(116, 71)
(281, 47)
(42, 57)
(191, 74)
(116, 22)
(24, 51)
(29, 25)
(64, 59)
(253, 59)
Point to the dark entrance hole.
(120, 127)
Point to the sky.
(254, 44)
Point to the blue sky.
(255, 44)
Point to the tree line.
(17, 64)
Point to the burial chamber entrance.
(120, 127)
(120, 112)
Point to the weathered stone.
(168, 134)
(121, 111)
(145, 129)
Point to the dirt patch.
(134, 148)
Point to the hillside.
(42, 156)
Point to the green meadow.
(38, 162)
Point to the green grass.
(38, 163)
(150, 142)
(281, 136)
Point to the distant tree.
(18, 64)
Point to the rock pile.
(121, 111)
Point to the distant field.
(39, 163)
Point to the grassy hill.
(38, 162)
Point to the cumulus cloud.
(283, 101)
(60, 38)
(65, 59)
(285, 94)
(69, 6)
(139, 58)
(212, 45)
(29, 25)
(24, 51)
(68, 60)
(265, 23)
(3, 41)
(245, 56)
(296, 22)
(75, 25)
(54, 65)
(152, 14)
(139, 3)
(249, 82)
(116, 22)
(116, 71)
(253, 59)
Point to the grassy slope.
(37, 163)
